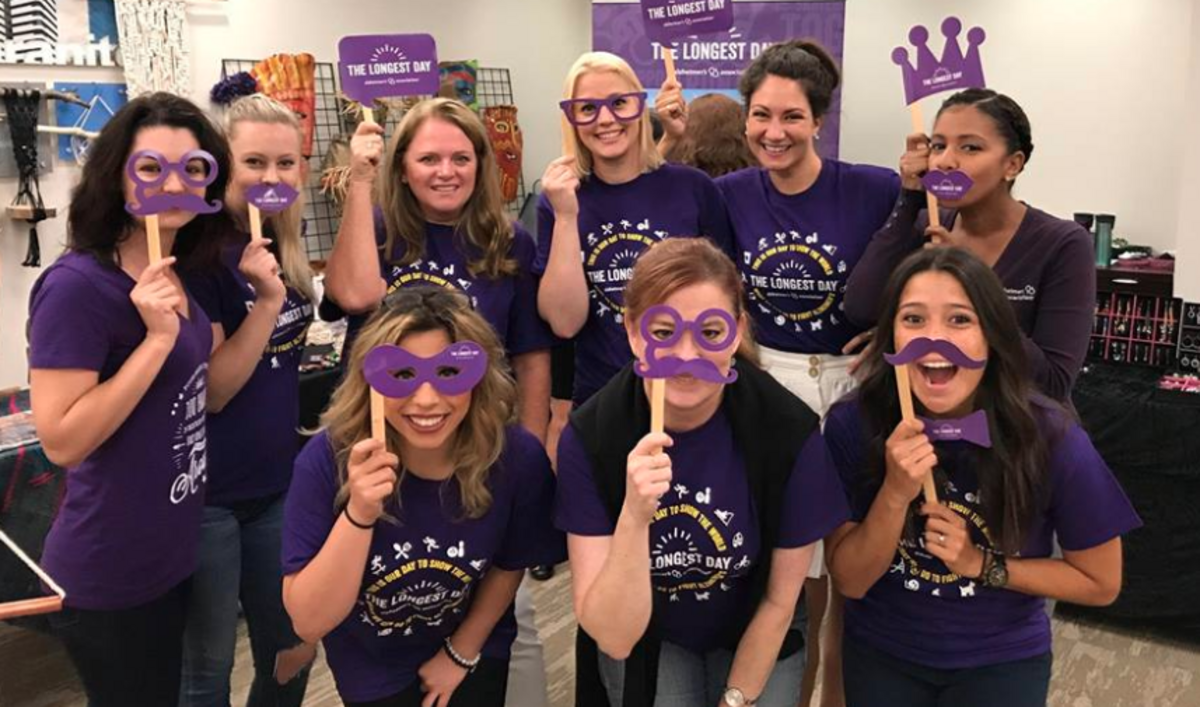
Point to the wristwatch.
(995, 570)
(736, 698)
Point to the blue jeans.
(687, 679)
(239, 560)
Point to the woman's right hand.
(371, 475)
(559, 184)
(671, 108)
(647, 476)
(158, 300)
(914, 163)
(366, 150)
(910, 458)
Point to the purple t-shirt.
(1048, 274)
(129, 526)
(705, 539)
(509, 304)
(420, 577)
(617, 222)
(920, 610)
(253, 440)
(795, 252)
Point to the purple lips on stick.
(271, 198)
(150, 204)
(922, 346)
(668, 366)
(947, 186)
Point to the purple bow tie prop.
(973, 428)
(921, 346)
(669, 366)
(947, 186)
(397, 373)
(271, 198)
(197, 169)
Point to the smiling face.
(440, 167)
(427, 420)
(172, 143)
(780, 125)
(966, 139)
(607, 138)
(935, 305)
(263, 153)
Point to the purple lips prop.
(669, 366)
(397, 373)
(947, 186)
(150, 204)
(922, 346)
(271, 198)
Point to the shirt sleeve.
(308, 513)
(1087, 506)
(545, 227)
(714, 216)
(67, 323)
(578, 508)
(1066, 302)
(531, 538)
(890, 244)
(527, 331)
(216, 292)
(844, 443)
(814, 504)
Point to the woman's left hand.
(947, 538)
(440, 677)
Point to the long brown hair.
(479, 440)
(675, 263)
(484, 224)
(715, 139)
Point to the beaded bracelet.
(467, 665)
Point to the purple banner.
(385, 65)
(714, 63)
(667, 20)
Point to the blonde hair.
(479, 439)
(591, 62)
(285, 226)
(484, 224)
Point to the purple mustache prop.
(150, 204)
(397, 373)
(923, 346)
(949, 186)
(669, 366)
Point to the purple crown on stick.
(955, 70)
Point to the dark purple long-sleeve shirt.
(1048, 273)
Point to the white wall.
(1187, 269)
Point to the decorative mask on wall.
(507, 143)
(458, 81)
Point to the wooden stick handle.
(378, 421)
(256, 232)
(153, 240)
(30, 607)
(931, 202)
(904, 389)
(368, 114)
(668, 55)
(658, 404)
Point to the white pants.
(820, 380)
(526, 667)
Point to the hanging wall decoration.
(291, 80)
(101, 102)
(458, 79)
(22, 106)
(152, 36)
(507, 143)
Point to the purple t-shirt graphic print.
(129, 526)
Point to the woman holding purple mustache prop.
(118, 355)
(981, 142)
(945, 602)
(404, 558)
(689, 548)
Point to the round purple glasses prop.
(397, 373)
(151, 204)
(669, 366)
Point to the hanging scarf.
(152, 48)
(22, 106)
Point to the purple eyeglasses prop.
(922, 346)
(669, 366)
(271, 198)
(150, 204)
(948, 186)
(624, 113)
(397, 373)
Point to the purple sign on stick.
(271, 198)
(384, 65)
(671, 19)
(948, 186)
(954, 71)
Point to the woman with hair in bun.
(1044, 262)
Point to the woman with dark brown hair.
(714, 140)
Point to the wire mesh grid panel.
(320, 215)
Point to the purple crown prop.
(955, 70)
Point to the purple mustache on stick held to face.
(398, 373)
(150, 204)
(670, 366)
(923, 346)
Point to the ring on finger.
(941, 539)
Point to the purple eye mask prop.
(973, 428)
(922, 346)
(669, 366)
(397, 373)
(271, 198)
(150, 204)
(949, 186)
